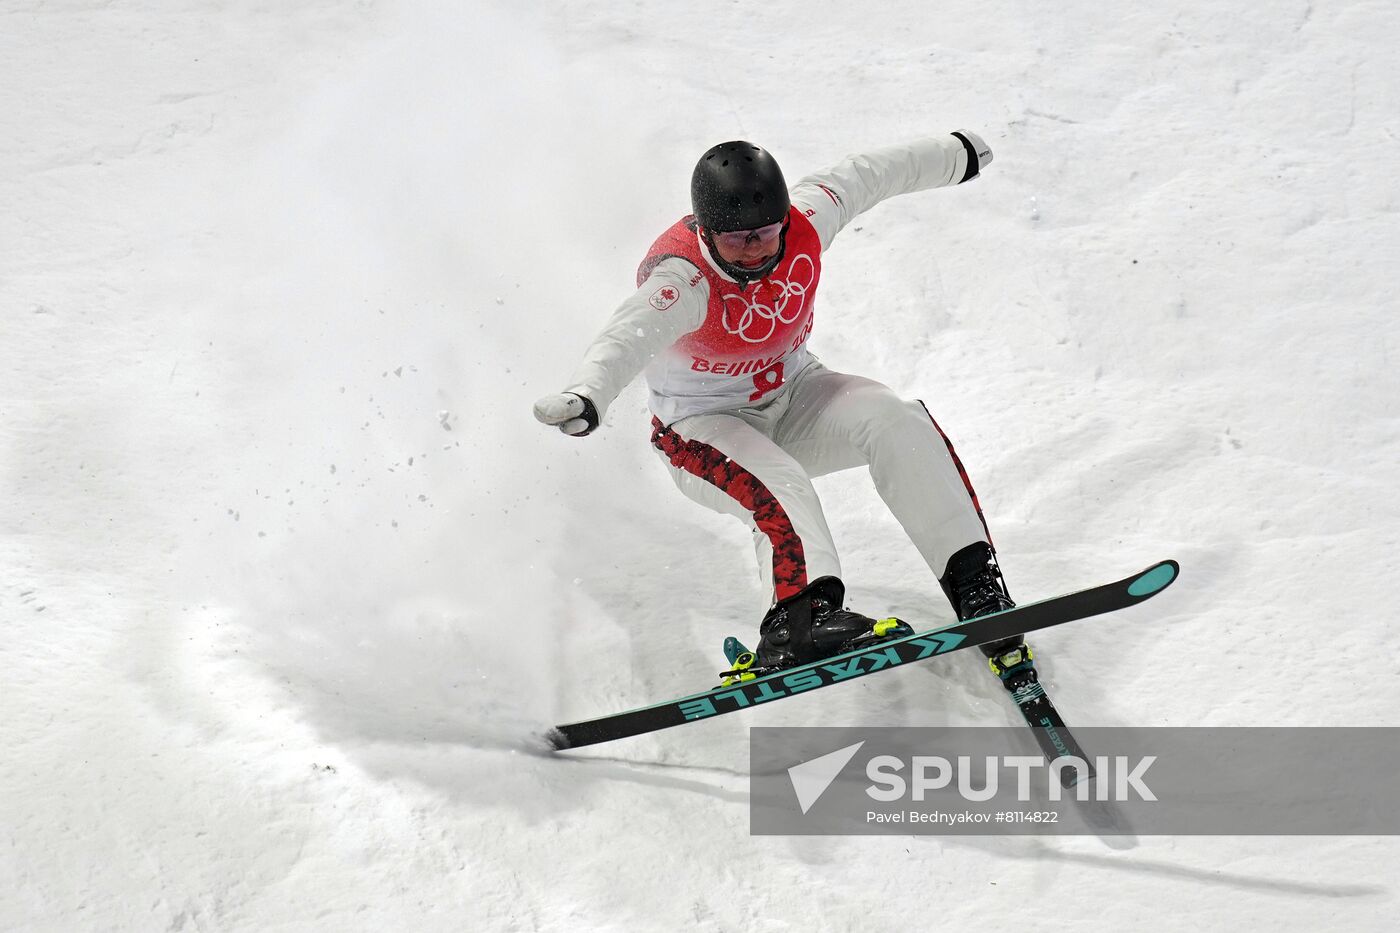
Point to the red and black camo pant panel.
(758, 464)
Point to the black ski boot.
(812, 625)
(974, 585)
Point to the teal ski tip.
(1151, 581)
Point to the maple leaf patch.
(664, 297)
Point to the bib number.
(766, 381)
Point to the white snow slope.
(291, 574)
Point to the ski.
(1051, 733)
(881, 655)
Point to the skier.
(744, 415)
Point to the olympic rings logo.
(774, 302)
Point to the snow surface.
(291, 575)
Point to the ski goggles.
(739, 239)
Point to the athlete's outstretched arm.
(833, 198)
(670, 303)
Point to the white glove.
(976, 151)
(572, 413)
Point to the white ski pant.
(758, 464)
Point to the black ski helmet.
(737, 186)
